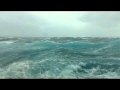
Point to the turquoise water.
(64, 57)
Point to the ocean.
(59, 57)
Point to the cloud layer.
(60, 24)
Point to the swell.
(45, 49)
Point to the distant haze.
(60, 24)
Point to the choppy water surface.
(64, 57)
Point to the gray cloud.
(61, 24)
(104, 19)
(102, 23)
(20, 24)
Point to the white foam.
(92, 73)
(7, 42)
(22, 69)
(100, 49)
(68, 72)
(16, 70)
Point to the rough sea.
(60, 58)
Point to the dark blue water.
(64, 57)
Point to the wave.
(59, 58)
(43, 69)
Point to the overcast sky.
(60, 24)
